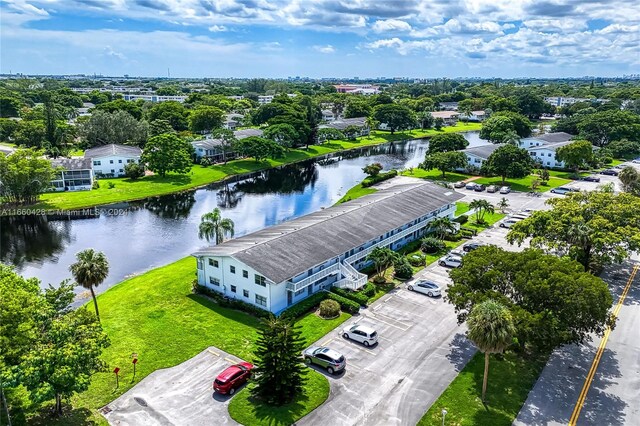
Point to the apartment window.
(233, 289)
(299, 292)
(112, 171)
(260, 300)
(214, 281)
(232, 269)
(549, 155)
(96, 163)
(260, 280)
(199, 263)
(245, 274)
(110, 161)
(120, 161)
(245, 293)
(213, 262)
(121, 170)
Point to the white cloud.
(324, 49)
(390, 25)
(217, 28)
(108, 51)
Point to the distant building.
(265, 99)
(448, 106)
(342, 124)
(477, 155)
(212, 148)
(73, 174)
(546, 154)
(561, 101)
(109, 160)
(328, 115)
(361, 89)
(232, 121)
(155, 98)
(473, 116)
(450, 118)
(279, 266)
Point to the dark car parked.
(591, 179)
(479, 187)
(471, 246)
(609, 172)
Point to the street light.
(444, 413)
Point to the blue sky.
(321, 38)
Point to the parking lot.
(180, 395)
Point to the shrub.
(133, 171)
(230, 303)
(304, 306)
(357, 296)
(462, 219)
(402, 268)
(369, 289)
(473, 231)
(372, 180)
(416, 259)
(466, 233)
(95, 184)
(205, 162)
(345, 304)
(453, 237)
(431, 245)
(329, 308)
(379, 280)
(111, 185)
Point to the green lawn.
(489, 220)
(356, 192)
(510, 380)
(128, 190)
(461, 208)
(435, 175)
(248, 411)
(156, 316)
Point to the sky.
(321, 38)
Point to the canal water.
(139, 236)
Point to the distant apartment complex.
(561, 101)
(279, 266)
(360, 89)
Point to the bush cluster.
(466, 233)
(304, 306)
(453, 237)
(417, 259)
(231, 303)
(431, 245)
(402, 268)
(357, 296)
(345, 304)
(369, 289)
(462, 219)
(372, 180)
(329, 308)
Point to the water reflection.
(32, 239)
(160, 230)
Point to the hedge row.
(372, 180)
(304, 306)
(357, 296)
(345, 304)
(231, 303)
(462, 219)
(369, 289)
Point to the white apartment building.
(110, 160)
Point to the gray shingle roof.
(550, 146)
(72, 163)
(112, 149)
(483, 151)
(346, 122)
(555, 137)
(283, 251)
(245, 133)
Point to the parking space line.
(213, 353)
(325, 343)
(230, 361)
(392, 325)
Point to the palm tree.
(214, 226)
(481, 207)
(371, 123)
(491, 329)
(90, 270)
(629, 177)
(441, 226)
(580, 238)
(503, 204)
(511, 138)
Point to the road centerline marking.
(596, 361)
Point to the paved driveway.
(180, 395)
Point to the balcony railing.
(313, 278)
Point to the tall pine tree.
(280, 370)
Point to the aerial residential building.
(265, 99)
(546, 154)
(342, 124)
(110, 160)
(477, 155)
(450, 118)
(328, 115)
(473, 116)
(448, 106)
(279, 266)
(560, 101)
(361, 89)
(72, 174)
(211, 148)
(232, 121)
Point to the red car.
(232, 378)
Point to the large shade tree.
(575, 155)
(508, 161)
(215, 227)
(445, 161)
(90, 270)
(609, 227)
(167, 153)
(396, 117)
(24, 175)
(491, 329)
(553, 301)
(445, 142)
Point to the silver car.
(325, 357)
(429, 288)
(505, 190)
(450, 261)
(361, 333)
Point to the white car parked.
(508, 223)
(361, 333)
(429, 288)
(450, 261)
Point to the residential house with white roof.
(477, 155)
(450, 118)
(110, 160)
(281, 265)
(212, 148)
(342, 124)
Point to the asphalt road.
(613, 397)
(180, 395)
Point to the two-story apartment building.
(281, 265)
(72, 174)
(342, 124)
(450, 118)
(110, 160)
(211, 148)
